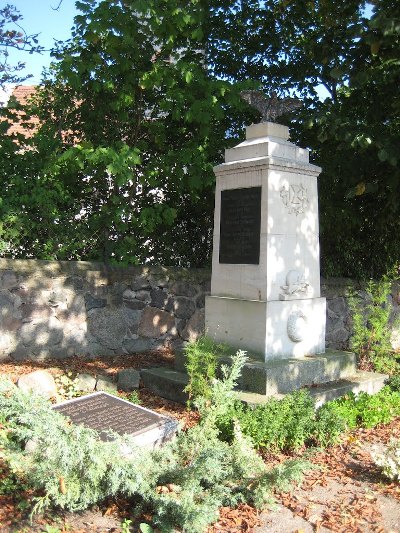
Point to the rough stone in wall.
(61, 309)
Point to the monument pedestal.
(268, 330)
(265, 285)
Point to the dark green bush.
(379, 408)
(292, 422)
(328, 427)
(277, 424)
(394, 383)
(364, 410)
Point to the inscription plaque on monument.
(239, 241)
(103, 412)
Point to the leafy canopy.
(144, 97)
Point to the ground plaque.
(240, 226)
(104, 413)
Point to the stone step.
(369, 382)
(166, 383)
(284, 375)
(170, 384)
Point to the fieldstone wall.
(61, 309)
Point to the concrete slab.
(166, 383)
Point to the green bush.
(201, 366)
(277, 425)
(378, 408)
(343, 409)
(328, 428)
(292, 422)
(183, 483)
(365, 410)
(394, 383)
(371, 326)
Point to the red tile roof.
(22, 93)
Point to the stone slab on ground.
(170, 384)
(128, 379)
(166, 383)
(104, 412)
(85, 382)
(281, 375)
(285, 375)
(370, 382)
(269, 378)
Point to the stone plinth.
(265, 286)
(270, 330)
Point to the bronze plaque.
(103, 412)
(240, 226)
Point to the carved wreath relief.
(297, 326)
(294, 198)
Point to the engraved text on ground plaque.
(240, 226)
(103, 412)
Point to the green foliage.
(201, 366)
(282, 477)
(145, 528)
(134, 397)
(138, 102)
(280, 424)
(389, 460)
(355, 139)
(286, 424)
(370, 323)
(126, 525)
(343, 409)
(329, 426)
(131, 123)
(379, 408)
(10, 484)
(184, 482)
(394, 383)
(292, 422)
(366, 410)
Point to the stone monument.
(265, 285)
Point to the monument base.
(328, 376)
(268, 330)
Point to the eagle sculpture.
(270, 108)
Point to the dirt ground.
(346, 494)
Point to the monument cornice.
(271, 163)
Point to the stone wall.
(60, 309)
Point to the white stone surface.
(265, 129)
(263, 147)
(289, 241)
(292, 252)
(261, 327)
